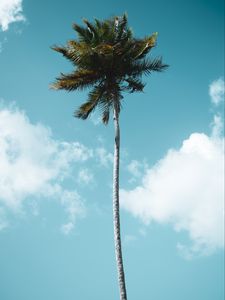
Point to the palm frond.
(74, 51)
(147, 66)
(122, 27)
(98, 23)
(155, 65)
(78, 80)
(134, 85)
(94, 97)
(84, 34)
(63, 50)
(105, 116)
(145, 45)
(90, 27)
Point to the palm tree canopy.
(109, 60)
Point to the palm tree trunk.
(116, 208)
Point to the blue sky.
(56, 232)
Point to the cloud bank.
(34, 165)
(185, 189)
(10, 12)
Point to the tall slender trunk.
(116, 208)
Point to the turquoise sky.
(56, 231)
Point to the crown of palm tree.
(110, 61)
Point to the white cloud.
(134, 168)
(185, 189)
(85, 176)
(217, 126)
(74, 207)
(96, 119)
(216, 91)
(67, 228)
(34, 164)
(105, 158)
(10, 11)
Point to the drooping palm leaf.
(78, 80)
(94, 97)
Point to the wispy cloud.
(105, 158)
(34, 165)
(85, 176)
(96, 119)
(216, 91)
(136, 169)
(67, 228)
(10, 11)
(185, 189)
(74, 207)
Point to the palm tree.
(108, 60)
